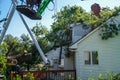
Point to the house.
(79, 30)
(66, 63)
(94, 55)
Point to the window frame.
(92, 60)
(87, 58)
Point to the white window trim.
(91, 57)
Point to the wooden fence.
(49, 75)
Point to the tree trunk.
(28, 67)
(60, 54)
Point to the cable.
(53, 6)
(4, 19)
(22, 1)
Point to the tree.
(25, 40)
(27, 56)
(40, 32)
(14, 45)
(23, 49)
(3, 61)
(63, 19)
(4, 48)
(111, 29)
(17, 48)
(60, 33)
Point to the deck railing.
(49, 75)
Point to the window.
(87, 57)
(55, 61)
(91, 57)
(94, 57)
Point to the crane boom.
(34, 39)
(7, 22)
(42, 7)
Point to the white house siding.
(108, 55)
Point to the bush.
(30, 76)
(116, 77)
(17, 77)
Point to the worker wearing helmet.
(32, 3)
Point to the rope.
(53, 6)
(55, 10)
(22, 1)
(4, 19)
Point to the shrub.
(116, 77)
(17, 77)
(30, 76)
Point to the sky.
(16, 27)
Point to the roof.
(74, 45)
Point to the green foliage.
(30, 76)
(116, 77)
(8, 71)
(17, 77)
(42, 68)
(110, 76)
(4, 48)
(21, 49)
(59, 34)
(39, 30)
(69, 77)
(106, 14)
(73, 14)
(116, 11)
(3, 61)
(101, 77)
(26, 42)
(13, 45)
(109, 30)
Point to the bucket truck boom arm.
(7, 22)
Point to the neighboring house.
(94, 55)
(67, 63)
